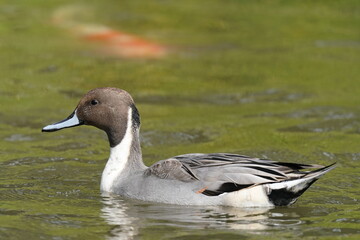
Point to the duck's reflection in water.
(127, 217)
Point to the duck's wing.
(223, 172)
(216, 159)
(171, 169)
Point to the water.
(270, 79)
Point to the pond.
(272, 79)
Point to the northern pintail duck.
(191, 179)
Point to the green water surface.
(271, 79)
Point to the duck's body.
(190, 179)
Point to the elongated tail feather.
(287, 192)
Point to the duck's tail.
(287, 192)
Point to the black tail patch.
(285, 197)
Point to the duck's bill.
(71, 121)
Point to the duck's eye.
(94, 102)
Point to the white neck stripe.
(119, 155)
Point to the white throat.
(119, 155)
